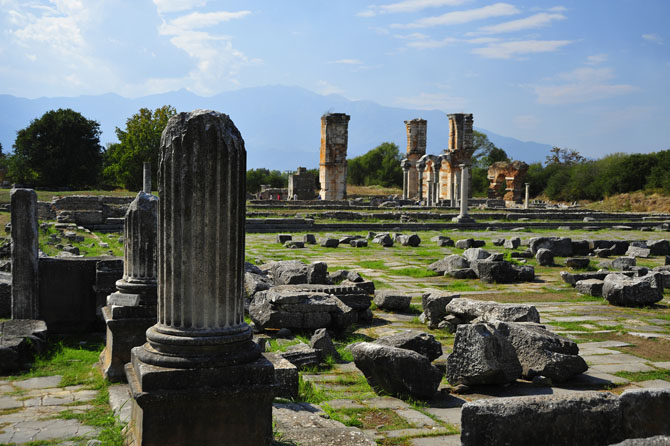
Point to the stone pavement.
(29, 411)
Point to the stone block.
(286, 375)
(392, 301)
(645, 412)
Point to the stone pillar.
(25, 254)
(463, 217)
(405, 165)
(131, 310)
(333, 156)
(416, 148)
(420, 168)
(146, 178)
(525, 203)
(437, 166)
(457, 187)
(200, 379)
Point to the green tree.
(256, 177)
(485, 152)
(564, 156)
(380, 166)
(138, 143)
(60, 149)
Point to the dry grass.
(367, 191)
(633, 202)
(650, 349)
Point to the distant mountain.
(280, 124)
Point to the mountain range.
(280, 124)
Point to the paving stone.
(442, 440)
(120, 401)
(386, 402)
(597, 378)
(604, 344)
(409, 432)
(618, 358)
(595, 351)
(416, 418)
(661, 365)
(345, 404)
(450, 415)
(580, 318)
(649, 335)
(85, 395)
(7, 402)
(654, 383)
(39, 383)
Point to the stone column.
(437, 166)
(25, 254)
(131, 310)
(333, 156)
(405, 165)
(463, 217)
(420, 168)
(457, 187)
(147, 178)
(200, 379)
(525, 203)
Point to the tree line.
(62, 149)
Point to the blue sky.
(592, 75)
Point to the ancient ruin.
(333, 156)
(200, 379)
(506, 180)
(25, 295)
(439, 176)
(301, 185)
(131, 310)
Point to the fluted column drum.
(201, 183)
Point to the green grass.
(309, 393)
(276, 345)
(645, 376)
(461, 286)
(412, 272)
(571, 326)
(371, 264)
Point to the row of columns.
(433, 184)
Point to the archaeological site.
(448, 312)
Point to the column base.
(204, 406)
(463, 219)
(126, 328)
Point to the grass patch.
(460, 286)
(645, 376)
(372, 264)
(570, 326)
(412, 272)
(368, 418)
(309, 393)
(282, 345)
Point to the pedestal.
(205, 406)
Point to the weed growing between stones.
(645, 376)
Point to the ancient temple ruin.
(506, 181)
(438, 177)
(333, 156)
(301, 185)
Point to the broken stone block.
(512, 243)
(541, 352)
(286, 374)
(594, 419)
(463, 273)
(317, 273)
(288, 272)
(469, 310)
(409, 240)
(465, 244)
(544, 257)
(659, 247)
(471, 254)
(577, 262)
(590, 287)
(630, 292)
(422, 343)
(359, 243)
(383, 239)
(449, 263)
(20, 341)
(309, 239)
(580, 247)
(293, 244)
(560, 246)
(302, 356)
(638, 251)
(482, 355)
(392, 301)
(283, 238)
(435, 307)
(397, 371)
(623, 263)
(322, 341)
(329, 242)
(645, 412)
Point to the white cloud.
(412, 36)
(347, 62)
(177, 5)
(583, 84)
(653, 38)
(197, 20)
(325, 87)
(430, 44)
(407, 6)
(534, 21)
(460, 17)
(507, 50)
(432, 101)
(596, 59)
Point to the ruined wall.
(333, 156)
(301, 183)
(416, 148)
(506, 181)
(461, 138)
